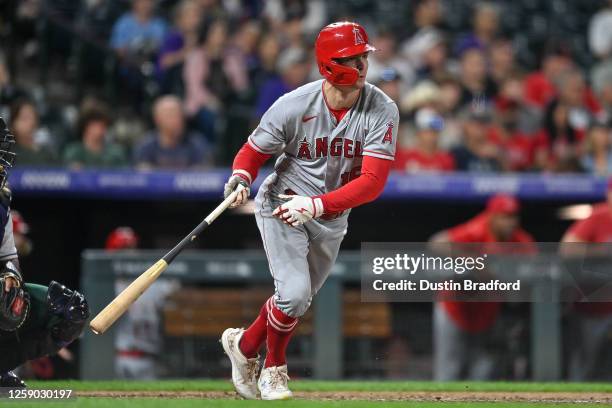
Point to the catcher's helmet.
(340, 40)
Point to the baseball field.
(362, 394)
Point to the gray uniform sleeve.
(382, 135)
(269, 136)
(7, 248)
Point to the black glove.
(14, 303)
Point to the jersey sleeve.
(8, 250)
(583, 229)
(382, 136)
(269, 136)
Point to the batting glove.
(230, 186)
(298, 210)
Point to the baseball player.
(464, 332)
(35, 320)
(590, 322)
(138, 342)
(336, 139)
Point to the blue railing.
(130, 184)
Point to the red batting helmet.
(340, 40)
(121, 238)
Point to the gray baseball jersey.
(318, 156)
(7, 248)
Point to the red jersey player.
(461, 328)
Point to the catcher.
(35, 320)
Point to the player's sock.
(280, 329)
(255, 335)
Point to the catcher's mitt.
(14, 304)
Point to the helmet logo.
(358, 36)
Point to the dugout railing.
(100, 270)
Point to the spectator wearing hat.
(464, 331)
(597, 158)
(476, 153)
(425, 155)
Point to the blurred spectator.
(389, 82)
(501, 60)
(485, 22)
(138, 33)
(601, 80)
(598, 152)
(293, 67)
(590, 321)
(478, 90)
(476, 153)
(386, 57)
(427, 53)
(465, 333)
(425, 156)
(539, 85)
(9, 92)
(212, 75)
(600, 34)
(24, 124)
(296, 17)
(514, 125)
(558, 145)
(427, 14)
(93, 149)
(178, 43)
(449, 107)
(170, 145)
(268, 50)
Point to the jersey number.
(350, 175)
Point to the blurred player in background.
(337, 141)
(464, 340)
(138, 342)
(591, 321)
(35, 320)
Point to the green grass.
(197, 403)
(307, 385)
(304, 385)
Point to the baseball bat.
(124, 300)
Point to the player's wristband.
(319, 209)
(245, 175)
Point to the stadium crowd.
(490, 86)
